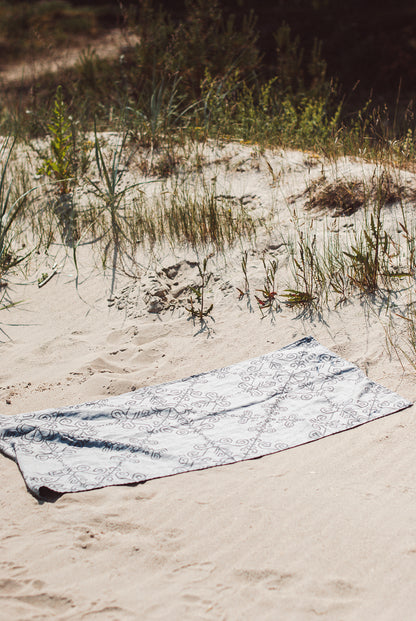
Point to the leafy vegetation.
(59, 164)
(195, 81)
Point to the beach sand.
(325, 530)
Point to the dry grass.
(339, 198)
(192, 216)
(344, 197)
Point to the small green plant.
(370, 253)
(152, 122)
(197, 306)
(307, 273)
(295, 297)
(267, 300)
(335, 268)
(108, 189)
(111, 193)
(59, 164)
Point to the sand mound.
(325, 529)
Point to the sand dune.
(325, 530)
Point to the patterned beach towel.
(295, 395)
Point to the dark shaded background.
(366, 41)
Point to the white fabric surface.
(297, 394)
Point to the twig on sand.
(44, 281)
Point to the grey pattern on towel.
(297, 394)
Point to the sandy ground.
(108, 45)
(326, 530)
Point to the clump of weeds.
(307, 272)
(370, 253)
(267, 298)
(193, 216)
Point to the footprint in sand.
(337, 588)
(268, 578)
(102, 364)
(170, 540)
(12, 590)
(195, 572)
(45, 600)
(109, 613)
(149, 334)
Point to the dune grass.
(165, 99)
(10, 211)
